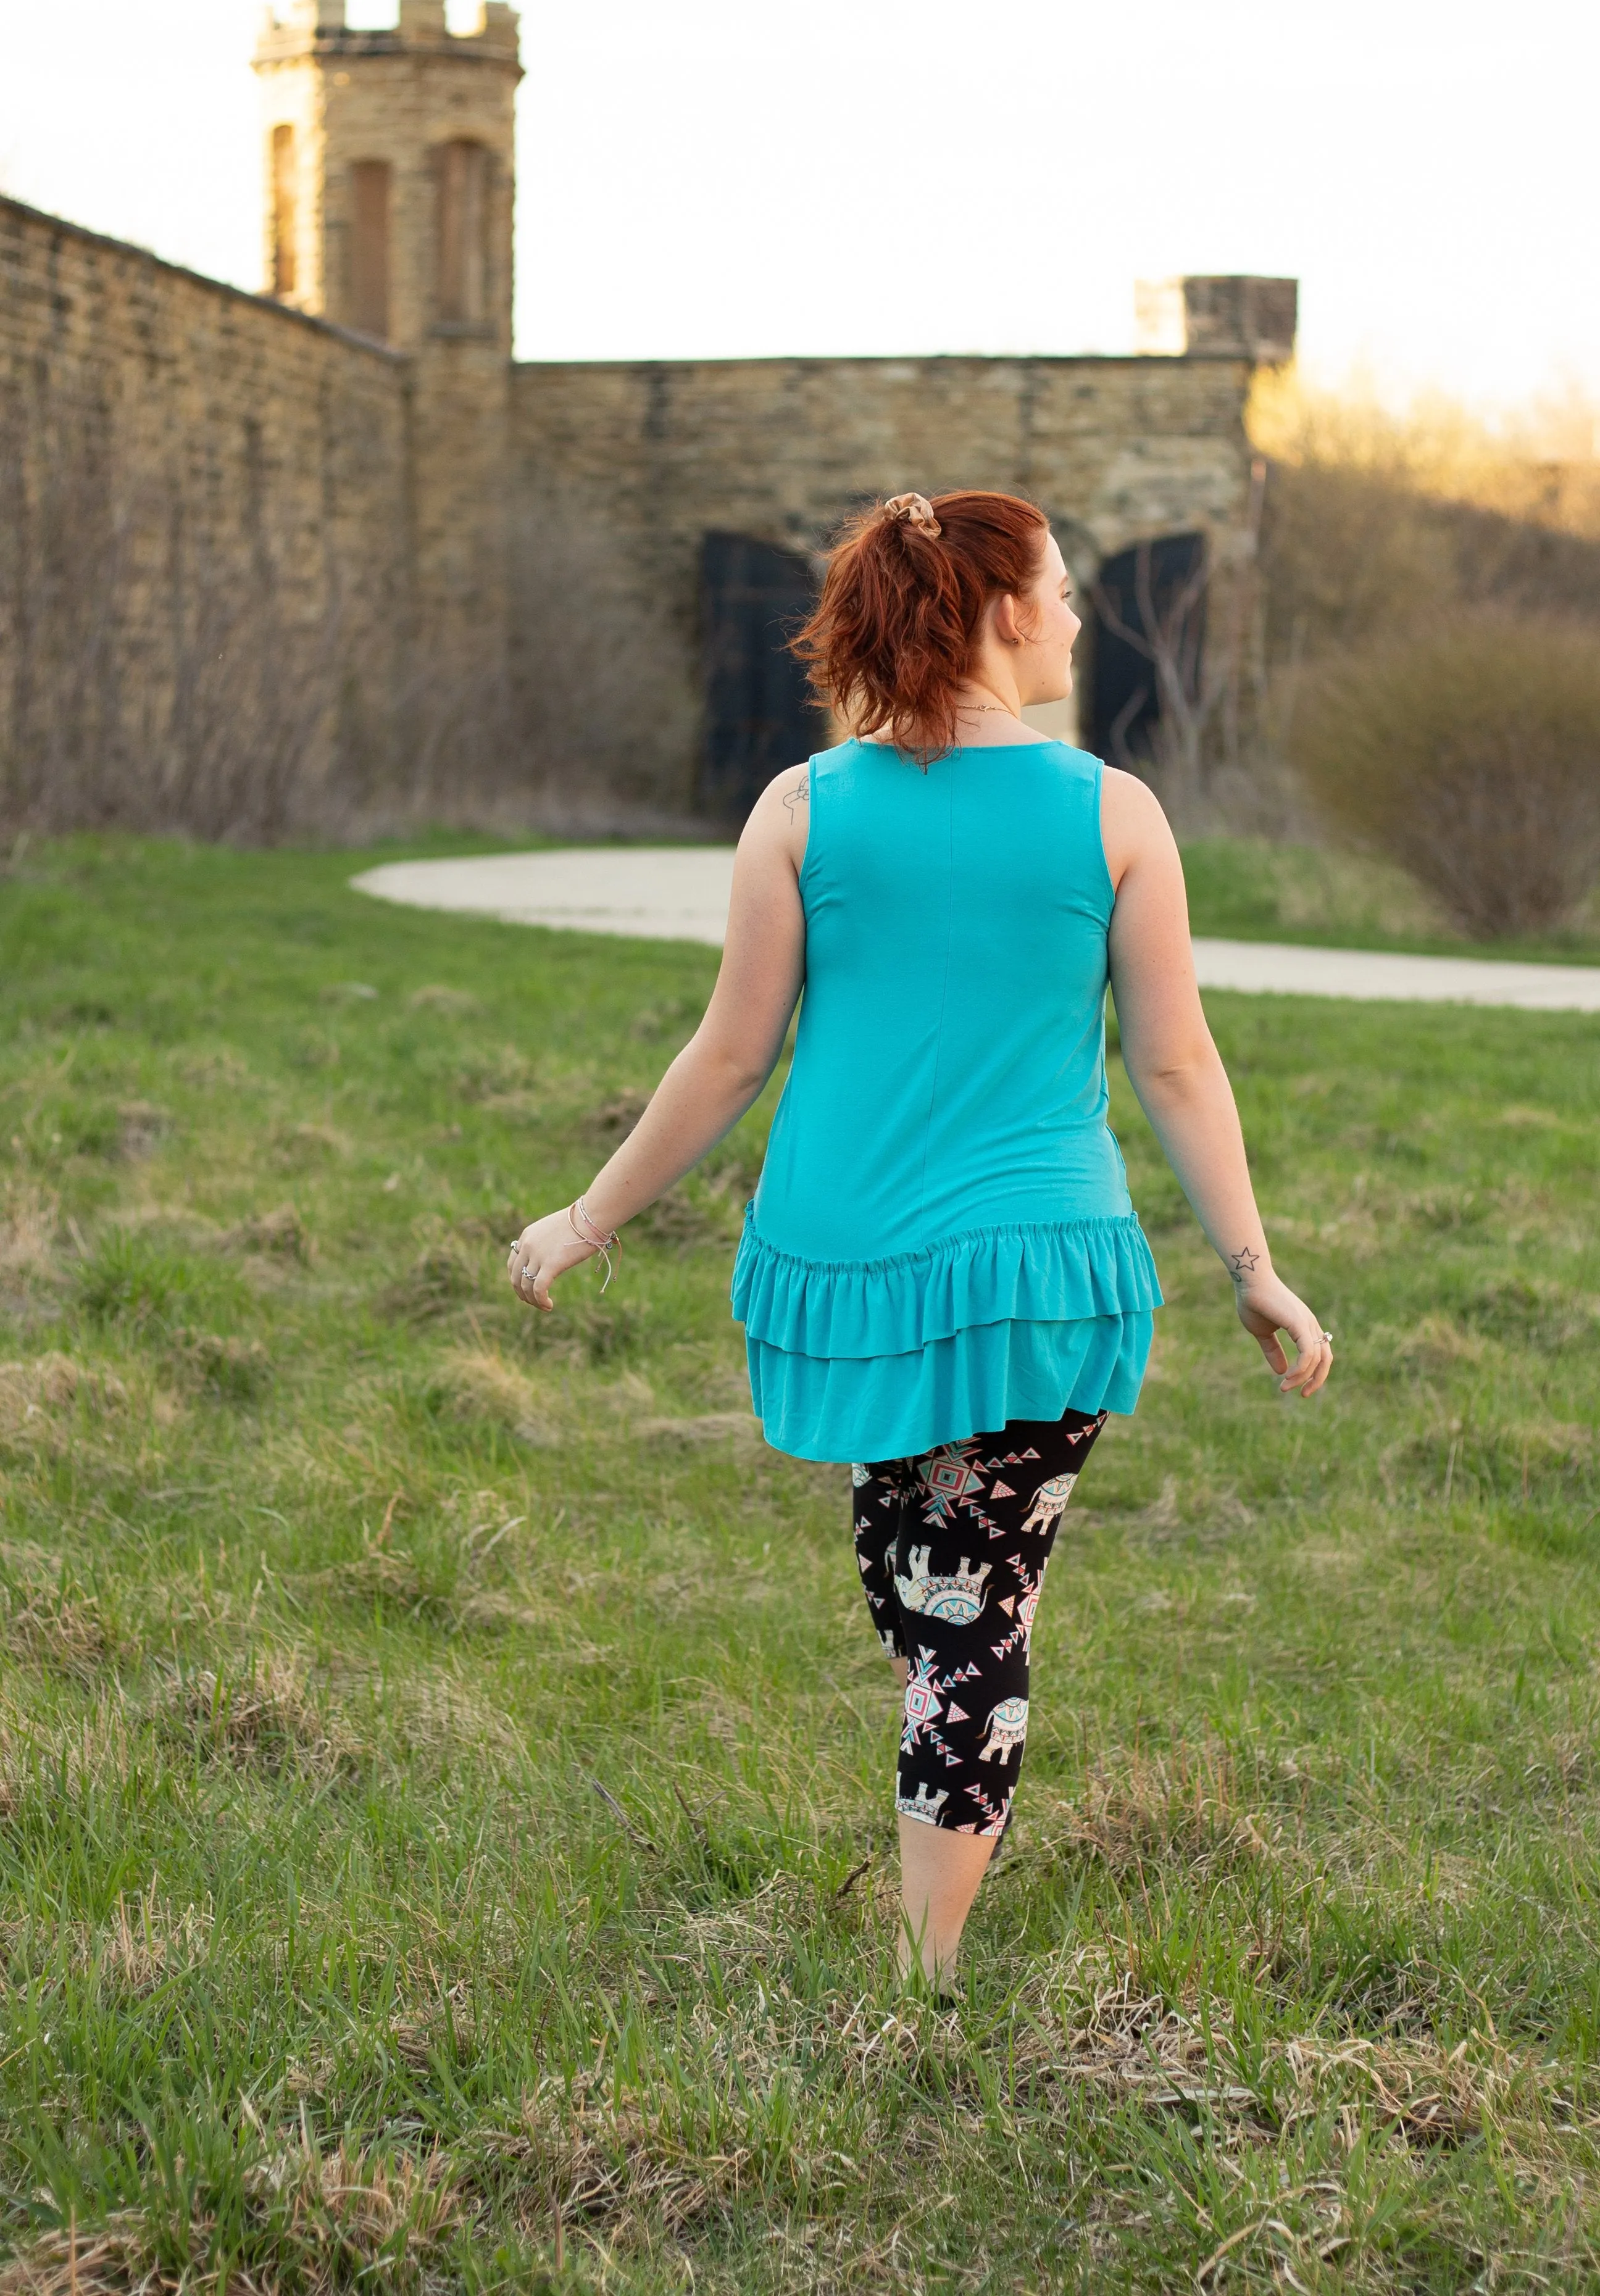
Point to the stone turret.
(391, 170)
(1230, 316)
(391, 176)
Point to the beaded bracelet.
(599, 1240)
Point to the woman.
(941, 1275)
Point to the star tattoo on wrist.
(1243, 1263)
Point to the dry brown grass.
(283, 1232)
(37, 1386)
(29, 1217)
(437, 1720)
(615, 1117)
(314, 1144)
(473, 1383)
(1138, 1809)
(144, 1944)
(1438, 1344)
(141, 1128)
(48, 1619)
(320, 2221)
(1095, 2023)
(268, 1719)
(457, 1003)
(708, 1427)
(446, 1274)
(610, 2159)
(235, 1368)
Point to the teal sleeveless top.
(942, 1238)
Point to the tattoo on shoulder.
(1243, 1263)
(798, 794)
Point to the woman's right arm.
(1178, 1073)
(727, 1060)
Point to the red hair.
(896, 628)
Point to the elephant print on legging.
(952, 1548)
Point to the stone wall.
(620, 469)
(260, 576)
(207, 552)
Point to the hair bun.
(917, 511)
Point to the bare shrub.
(610, 738)
(171, 662)
(1538, 471)
(1471, 754)
(1204, 641)
(156, 678)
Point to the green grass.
(1251, 888)
(334, 1589)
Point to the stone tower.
(390, 171)
(391, 165)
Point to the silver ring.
(1328, 1336)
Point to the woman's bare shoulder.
(781, 816)
(1132, 825)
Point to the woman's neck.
(988, 719)
(985, 720)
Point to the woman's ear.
(1007, 625)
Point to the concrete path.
(677, 892)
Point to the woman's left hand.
(546, 1249)
(1267, 1307)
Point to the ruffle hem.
(880, 1359)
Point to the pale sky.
(738, 177)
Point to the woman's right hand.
(546, 1249)
(1267, 1307)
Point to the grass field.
(445, 1813)
(1247, 889)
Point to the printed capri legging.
(952, 1548)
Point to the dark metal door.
(760, 715)
(1171, 583)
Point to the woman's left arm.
(724, 1066)
(1175, 1071)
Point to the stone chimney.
(1238, 317)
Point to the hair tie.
(917, 511)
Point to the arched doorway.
(1149, 606)
(759, 713)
